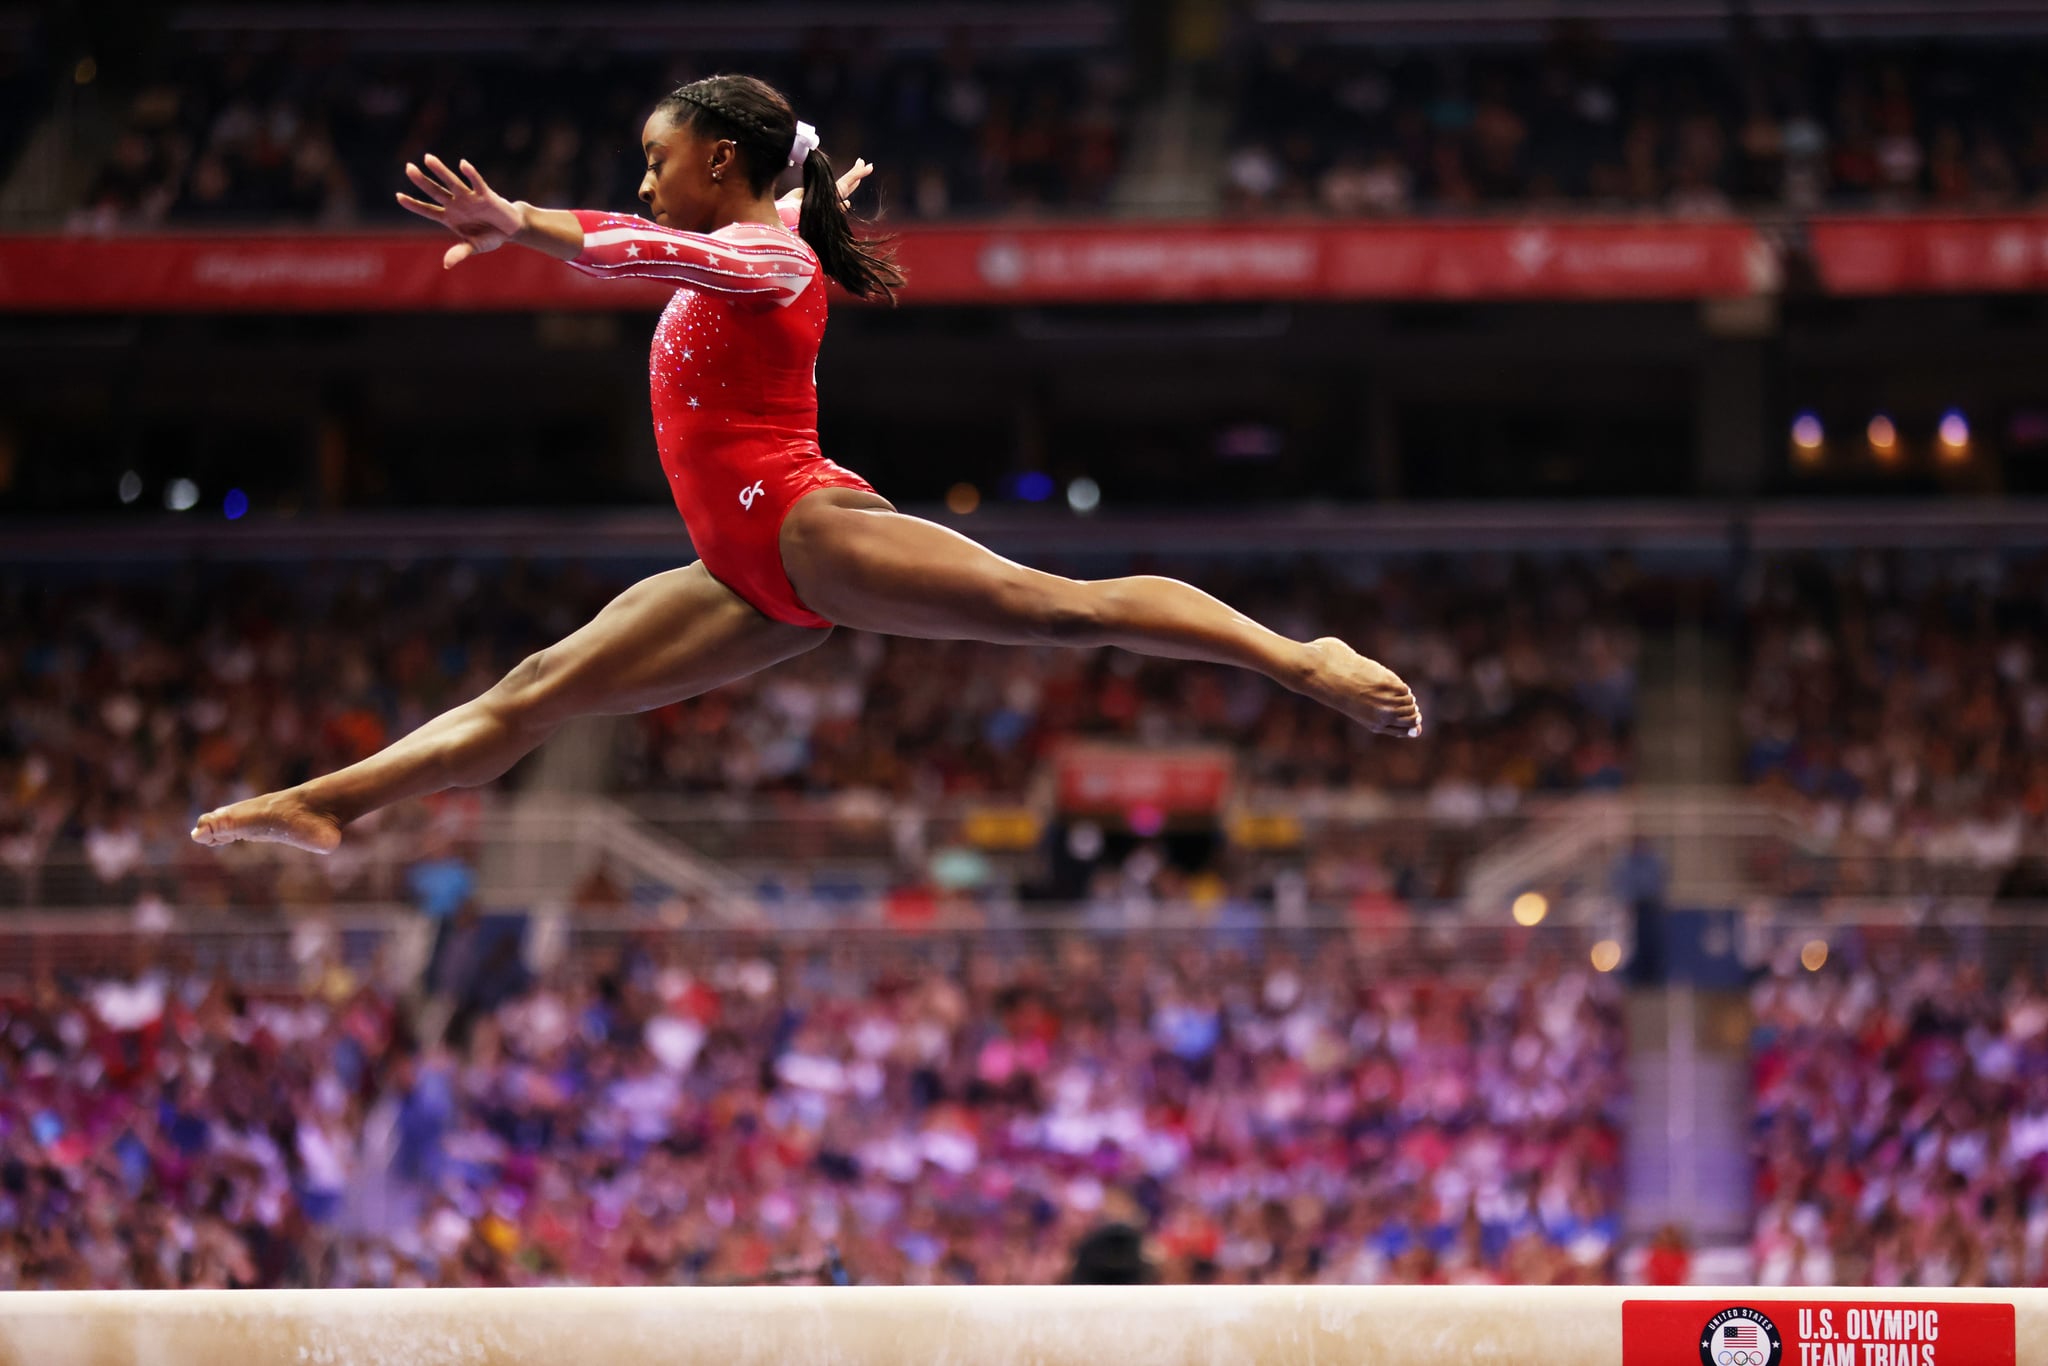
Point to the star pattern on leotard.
(693, 401)
(633, 250)
(670, 248)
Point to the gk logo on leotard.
(747, 496)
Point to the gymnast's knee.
(1072, 612)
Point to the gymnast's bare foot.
(273, 818)
(1366, 691)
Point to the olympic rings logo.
(1740, 1336)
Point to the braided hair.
(756, 116)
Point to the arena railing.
(1723, 846)
(1789, 934)
(389, 946)
(1702, 530)
(747, 860)
(521, 850)
(860, 835)
(385, 946)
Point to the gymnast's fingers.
(431, 212)
(428, 186)
(450, 181)
(850, 182)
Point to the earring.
(717, 176)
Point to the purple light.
(1034, 486)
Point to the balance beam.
(1027, 1326)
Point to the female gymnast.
(791, 545)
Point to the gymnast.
(790, 544)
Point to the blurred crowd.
(1901, 702)
(1537, 700)
(301, 130)
(305, 128)
(128, 707)
(1896, 704)
(1901, 1120)
(1702, 130)
(928, 1112)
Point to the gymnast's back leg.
(666, 638)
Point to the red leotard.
(733, 376)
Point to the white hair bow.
(806, 140)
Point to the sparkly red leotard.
(734, 386)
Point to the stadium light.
(181, 495)
(1530, 908)
(1808, 437)
(961, 499)
(1033, 486)
(1606, 956)
(236, 505)
(1954, 435)
(1084, 495)
(1883, 435)
(1813, 956)
(130, 487)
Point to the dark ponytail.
(754, 115)
(864, 268)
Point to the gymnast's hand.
(848, 183)
(484, 219)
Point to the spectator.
(1899, 1120)
(1898, 704)
(272, 130)
(1670, 1259)
(941, 1110)
(298, 132)
(1814, 125)
(141, 703)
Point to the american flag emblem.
(1739, 1337)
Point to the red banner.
(1930, 255)
(390, 272)
(1126, 779)
(1110, 263)
(1046, 263)
(1547, 260)
(1812, 1330)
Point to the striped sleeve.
(615, 245)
